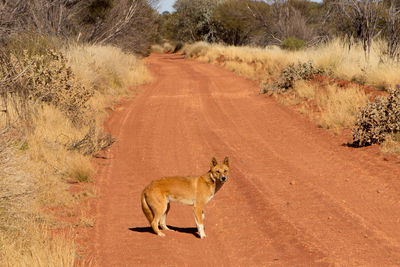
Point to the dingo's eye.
(217, 171)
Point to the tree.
(241, 22)
(289, 22)
(360, 20)
(392, 30)
(193, 20)
(128, 23)
(234, 22)
(53, 17)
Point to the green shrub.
(377, 119)
(293, 43)
(290, 74)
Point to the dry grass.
(339, 106)
(334, 56)
(168, 48)
(305, 90)
(106, 68)
(391, 145)
(270, 60)
(54, 149)
(51, 140)
(331, 106)
(157, 48)
(164, 48)
(24, 230)
(242, 69)
(12, 105)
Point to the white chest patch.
(210, 198)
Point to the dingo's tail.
(146, 209)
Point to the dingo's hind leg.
(163, 223)
(158, 204)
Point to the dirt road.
(295, 197)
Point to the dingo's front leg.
(198, 216)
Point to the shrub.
(47, 78)
(377, 119)
(168, 48)
(178, 47)
(291, 74)
(156, 48)
(293, 43)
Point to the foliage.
(130, 24)
(193, 20)
(178, 47)
(293, 43)
(377, 119)
(95, 10)
(291, 74)
(47, 78)
(239, 21)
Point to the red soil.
(296, 196)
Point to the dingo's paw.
(164, 227)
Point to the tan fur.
(194, 191)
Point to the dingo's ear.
(226, 161)
(213, 162)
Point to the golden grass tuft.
(156, 48)
(107, 68)
(339, 106)
(168, 48)
(242, 69)
(25, 238)
(51, 140)
(305, 90)
(43, 249)
(391, 145)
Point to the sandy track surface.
(295, 196)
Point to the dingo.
(194, 191)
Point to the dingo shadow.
(188, 230)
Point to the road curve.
(295, 196)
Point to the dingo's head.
(219, 171)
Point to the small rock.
(293, 182)
(378, 191)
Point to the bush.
(156, 48)
(47, 78)
(293, 43)
(377, 119)
(291, 74)
(178, 47)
